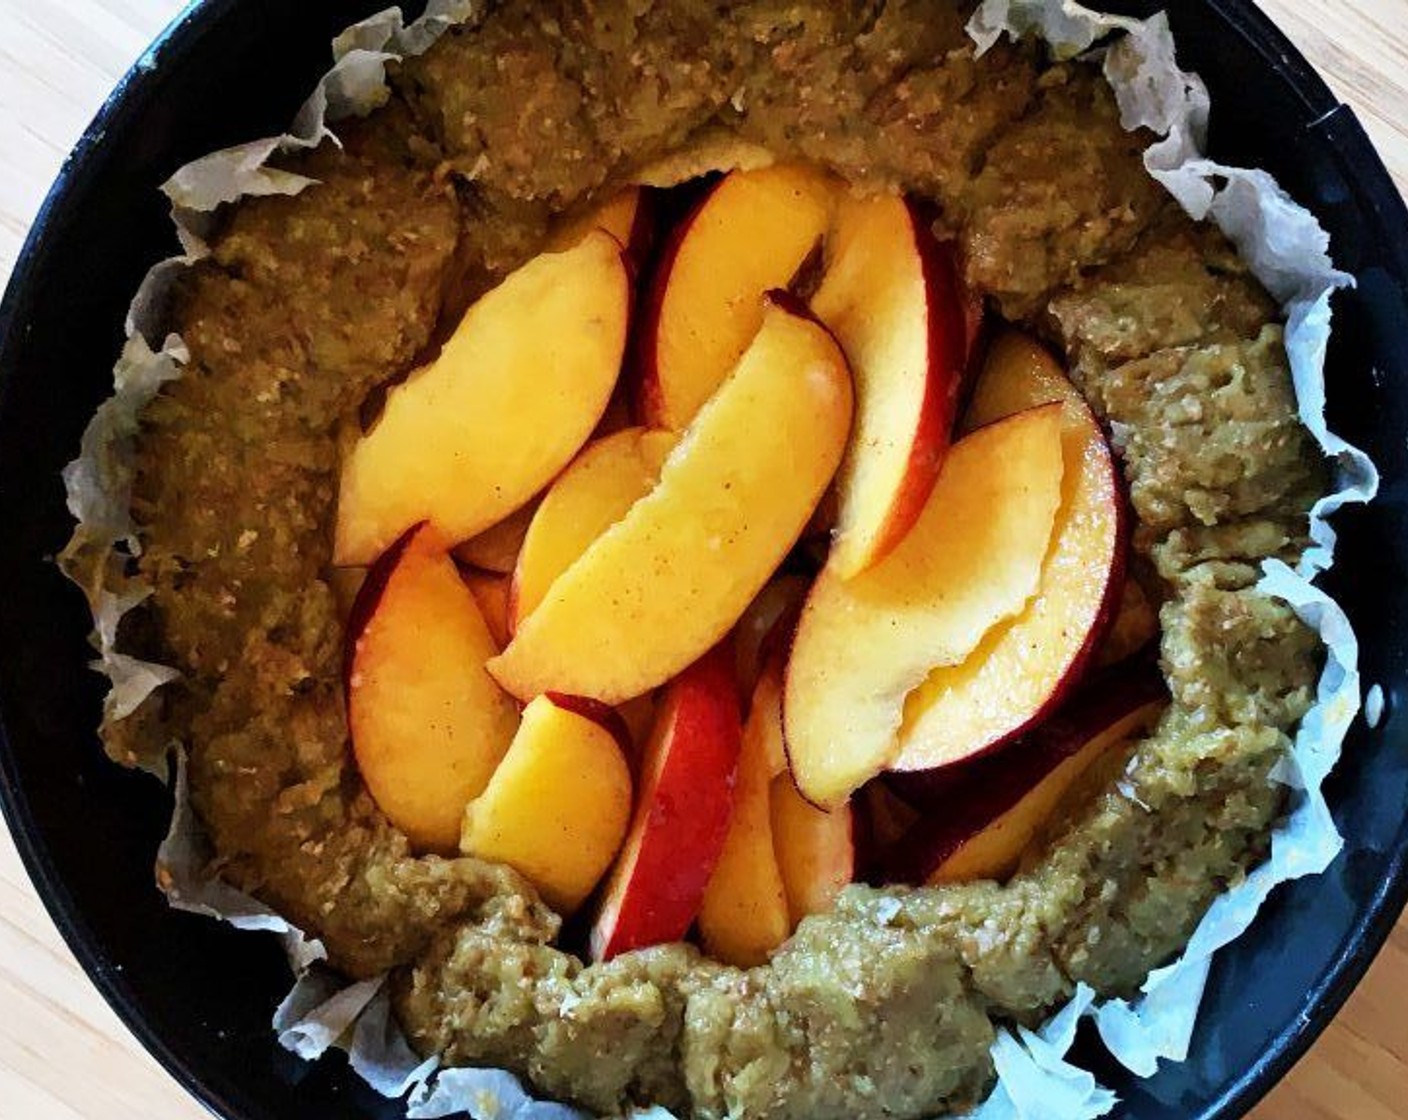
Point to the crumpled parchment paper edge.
(1288, 250)
(1285, 247)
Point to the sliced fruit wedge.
(748, 236)
(979, 818)
(972, 560)
(1023, 668)
(891, 295)
(681, 815)
(514, 393)
(557, 807)
(667, 581)
(815, 849)
(592, 494)
(744, 915)
(428, 724)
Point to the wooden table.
(65, 1056)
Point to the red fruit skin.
(954, 321)
(643, 373)
(959, 801)
(640, 242)
(948, 357)
(682, 812)
(912, 784)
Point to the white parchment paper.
(1288, 250)
(1284, 245)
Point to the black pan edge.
(127, 103)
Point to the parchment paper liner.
(1283, 244)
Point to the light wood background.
(65, 1056)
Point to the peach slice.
(682, 812)
(815, 849)
(591, 495)
(972, 560)
(982, 816)
(671, 578)
(428, 724)
(514, 393)
(744, 915)
(1022, 669)
(557, 807)
(496, 548)
(749, 235)
(628, 216)
(891, 295)
(491, 596)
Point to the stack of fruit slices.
(824, 610)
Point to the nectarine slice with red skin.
(971, 561)
(892, 297)
(980, 816)
(428, 724)
(557, 807)
(596, 490)
(1023, 668)
(512, 396)
(496, 548)
(670, 578)
(744, 915)
(815, 849)
(681, 819)
(746, 237)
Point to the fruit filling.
(693, 604)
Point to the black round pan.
(199, 994)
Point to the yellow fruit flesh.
(663, 584)
(428, 723)
(1021, 665)
(512, 396)
(557, 808)
(750, 236)
(591, 495)
(744, 915)
(972, 560)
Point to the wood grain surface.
(65, 1056)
